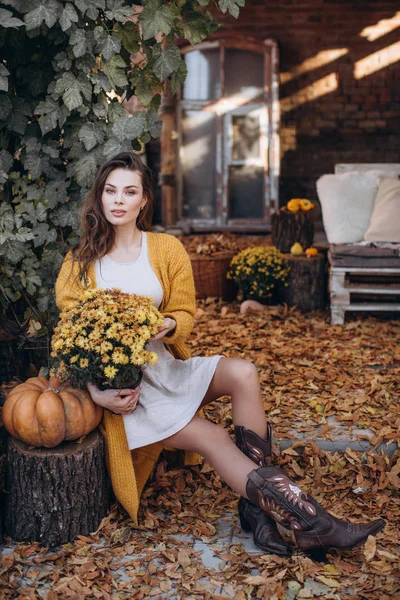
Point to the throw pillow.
(384, 225)
(347, 201)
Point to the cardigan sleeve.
(181, 305)
(68, 286)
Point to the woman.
(118, 250)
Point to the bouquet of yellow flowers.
(102, 339)
(258, 271)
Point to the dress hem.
(182, 423)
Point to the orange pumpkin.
(294, 205)
(306, 204)
(43, 412)
(311, 252)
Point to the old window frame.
(224, 109)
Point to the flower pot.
(125, 385)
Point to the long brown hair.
(98, 235)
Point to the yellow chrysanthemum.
(84, 363)
(106, 347)
(110, 372)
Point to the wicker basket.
(210, 277)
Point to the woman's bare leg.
(214, 443)
(238, 378)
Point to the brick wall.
(340, 82)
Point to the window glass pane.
(244, 73)
(203, 78)
(198, 157)
(246, 192)
(245, 137)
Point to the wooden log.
(287, 228)
(3, 464)
(55, 494)
(307, 282)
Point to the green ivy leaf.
(231, 5)
(3, 78)
(7, 19)
(196, 27)
(87, 62)
(129, 128)
(43, 235)
(117, 10)
(86, 169)
(100, 83)
(110, 46)
(130, 38)
(51, 115)
(115, 69)
(179, 77)
(62, 62)
(114, 146)
(157, 17)
(90, 7)
(6, 217)
(154, 124)
(68, 16)
(91, 134)
(115, 112)
(167, 63)
(143, 89)
(44, 10)
(79, 42)
(73, 89)
(56, 192)
(6, 162)
(5, 107)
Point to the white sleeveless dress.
(172, 389)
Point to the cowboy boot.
(314, 529)
(252, 518)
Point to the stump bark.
(287, 228)
(55, 494)
(307, 282)
(3, 463)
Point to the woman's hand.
(169, 325)
(121, 402)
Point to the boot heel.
(318, 554)
(244, 524)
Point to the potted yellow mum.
(259, 273)
(102, 339)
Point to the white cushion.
(347, 202)
(384, 225)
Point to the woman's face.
(122, 197)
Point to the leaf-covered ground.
(309, 371)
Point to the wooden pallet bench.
(363, 289)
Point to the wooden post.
(168, 158)
(55, 494)
(340, 296)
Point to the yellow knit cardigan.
(129, 470)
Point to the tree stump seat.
(55, 494)
(287, 228)
(306, 283)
